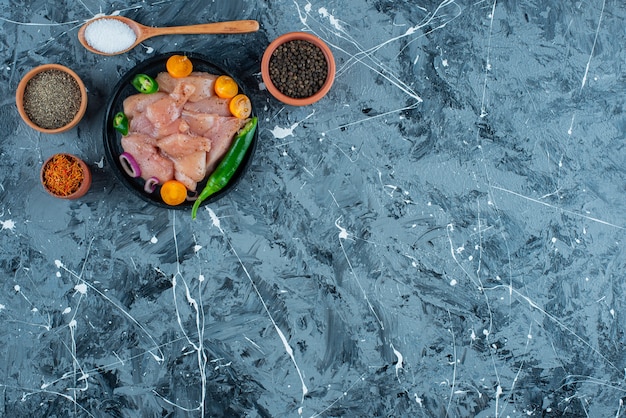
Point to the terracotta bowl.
(19, 98)
(84, 185)
(265, 64)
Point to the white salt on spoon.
(112, 35)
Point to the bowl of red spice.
(65, 176)
(298, 68)
(51, 98)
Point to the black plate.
(112, 138)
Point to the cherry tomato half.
(225, 87)
(240, 106)
(173, 192)
(179, 66)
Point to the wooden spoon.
(144, 32)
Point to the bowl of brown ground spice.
(298, 68)
(51, 98)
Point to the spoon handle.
(234, 26)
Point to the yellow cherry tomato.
(173, 192)
(240, 106)
(226, 87)
(179, 66)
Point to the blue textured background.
(442, 235)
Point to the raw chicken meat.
(199, 123)
(213, 104)
(221, 137)
(151, 162)
(190, 169)
(137, 103)
(142, 124)
(179, 145)
(202, 83)
(166, 110)
(182, 131)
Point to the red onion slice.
(129, 164)
(191, 196)
(151, 184)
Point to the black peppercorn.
(298, 69)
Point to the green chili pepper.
(229, 164)
(145, 84)
(120, 123)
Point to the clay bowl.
(24, 83)
(265, 68)
(84, 185)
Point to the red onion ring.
(191, 196)
(129, 164)
(151, 184)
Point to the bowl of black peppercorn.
(298, 68)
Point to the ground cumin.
(51, 99)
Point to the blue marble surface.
(442, 235)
